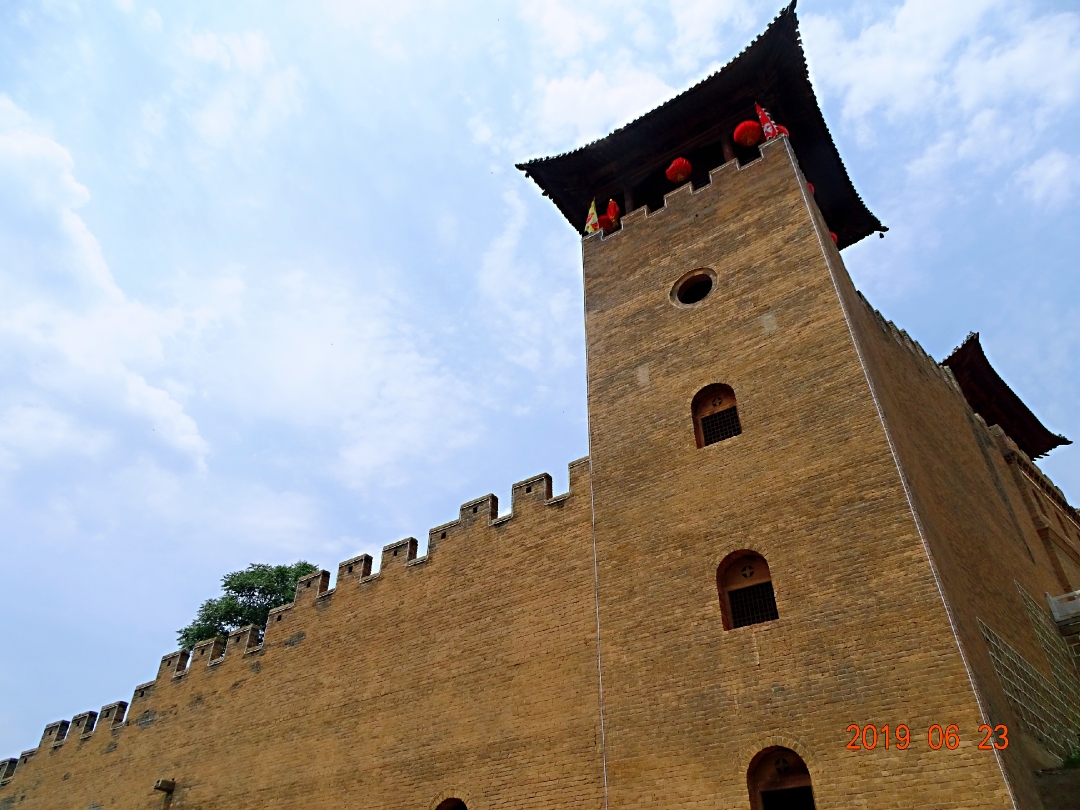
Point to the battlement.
(403, 551)
(1014, 455)
(81, 727)
(1008, 447)
(719, 180)
(82, 724)
(54, 734)
(289, 624)
(355, 568)
(902, 338)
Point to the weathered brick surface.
(977, 521)
(863, 636)
(470, 674)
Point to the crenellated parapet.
(1009, 449)
(353, 569)
(112, 715)
(687, 196)
(478, 523)
(54, 734)
(311, 587)
(398, 554)
(245, 640)
(80, 728)
(82, 724)
(927, 363)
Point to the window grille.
(720, 425)
(800, 798)
(753, 605)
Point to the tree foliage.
(247, 597)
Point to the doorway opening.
(779, 780)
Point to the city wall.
(470, 672)
(1000, 537)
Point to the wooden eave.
(991, 398)
(771, 71)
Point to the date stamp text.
(870, 737)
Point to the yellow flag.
(592, 223)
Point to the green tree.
(248, 597)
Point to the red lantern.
(613, 211)
(782, 130)
(833, 237)
(810, 186)
(679, 170)
(748, 133)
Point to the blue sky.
(271, 287)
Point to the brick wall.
(471, 673)
(976, 517)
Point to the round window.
(693, 287)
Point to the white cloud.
(527, 306)
(300, 348)
(955, 60)
(481, 131)
(250, 94)
(35, 162)
(1040, 60)
(697, 38)
(902, 63)
(220, 116)
(978, 84)
(37, 431)
(563, 31)
(152, 21)
(326, 353)
(61, 311)
(248, 52)
(572, 110)
(1051, 180)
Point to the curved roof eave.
(773, 69)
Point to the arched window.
(779, 780)
(451, 804)
(715, 416)
(746, 591)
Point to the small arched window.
(746, 590)
(715, 416)
(778, 779)
(452, 804)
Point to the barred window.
(746, 591)
(715, 416)
(753, 605)
(720, 425)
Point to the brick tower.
(803, 566)
(803, 508)
(800, 522)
